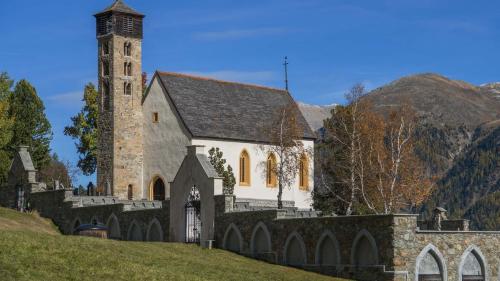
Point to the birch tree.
(285, 142)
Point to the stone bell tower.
(120, 151)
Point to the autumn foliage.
(367, 163)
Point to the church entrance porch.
(192, 213)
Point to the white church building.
(144, 133)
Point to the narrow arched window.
(105, 68)
(130, 192)
(127, 49)
(304, 172)
(106, 102)
(105, 48)
(127, 68)
(271, 171)
(127, 88)
(244, 168)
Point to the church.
(144, 135)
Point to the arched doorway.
(193, 216)
(158, 190)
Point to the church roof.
(218, 109)
(120, 7)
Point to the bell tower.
(120, 137)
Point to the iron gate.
(193, 221)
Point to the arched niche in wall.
(294, 253)
(260, 242)
(473, 265)
(364, 251)
(134, 232)
(94, 220)
(327, 250)
(155, 232)
(75, 224)
(113, 227)
(233, 240)
(430, 265)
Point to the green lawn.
(31, 249)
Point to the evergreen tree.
(31, 127)
(5, 125)
(84, 130)
(228, 179)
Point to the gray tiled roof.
(119, 6)
(225, 110)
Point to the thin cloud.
(67, 99)
(453, 25)
(238, 76)
(238, 33)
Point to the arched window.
(105, 48)
(106, 102)
(158, 190)
(304, 173)
(127, 88)
(364, 251)
(295, 250)
(130, 192)
(127, 68)
(244, 168)
(430, 265)
(472, 265)
(105, 68)
(127, 49)
(271, 171)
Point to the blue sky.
(331, 45)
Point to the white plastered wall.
(258, 188)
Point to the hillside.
(468, 188)
(11, 220)
(439, 100)
(458, 138)
(31, 251)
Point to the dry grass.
(14, 221)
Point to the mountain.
(315, 114)
(449, 113)
(441, 101)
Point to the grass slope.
(36, 252)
